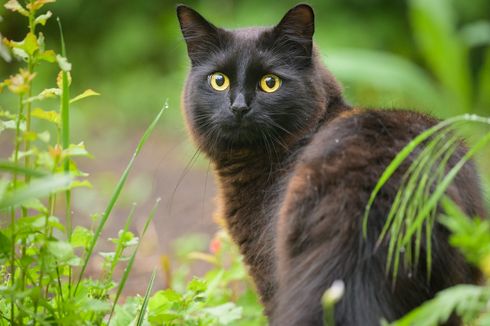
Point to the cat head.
(253, 88)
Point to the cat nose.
(239, 106)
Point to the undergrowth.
(420, 203)
(45, 254)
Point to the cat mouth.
(239, 130)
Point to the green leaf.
(161, 304)
(4, 53)
(79, 184)
(53, 222)
(63, 63)
(126, 239)
(19, 53)
(3, 186)
(14, 5)
(484, 84)
(467, 299)
(197, 285)
(38, 4)
(61, 250)
(225, 313)
(44, 136)
(386, 73)
(433, 23)
(81, 237)
(46, 93)
(35, 204)
(28, 44)
(36, 189)
(76, 150)
(49, 56)
(85, 94)
(51, 116)
(9, 124)
(41, 19)
(126, 314)
(5, 246)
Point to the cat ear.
(297, 28)
(200, 35)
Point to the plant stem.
(30, 68)
(65, 139)
(12, 214)
(12, 264)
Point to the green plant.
(44, 254)
(40, 253)
(469, 302)
(223, 296)
(414, 208)
(447, 80)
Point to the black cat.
(295, 166)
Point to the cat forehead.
(247, 41)
(248, 33)
(245, 47)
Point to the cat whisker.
(181, 177)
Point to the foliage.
(451, 83)
(413, 212)
(224, 295)
(44, 256)
(469, 302)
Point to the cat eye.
(219, 81)
(270, 83)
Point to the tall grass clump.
(420, 203)
(44, 253)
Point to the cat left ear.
(199, 34)
(298, 26)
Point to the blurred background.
(427, 55)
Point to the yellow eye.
(270, 83)
(219, 81)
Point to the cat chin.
(228, 141)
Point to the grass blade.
(399, 159)
(65, 129)
(405, 152)
(441, 188)
(115, 195)
(129, 266)
(141, 315)
(423, 185)
(119, 248)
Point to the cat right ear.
(200, 35)
(295, 30)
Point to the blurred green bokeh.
(431, 55)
